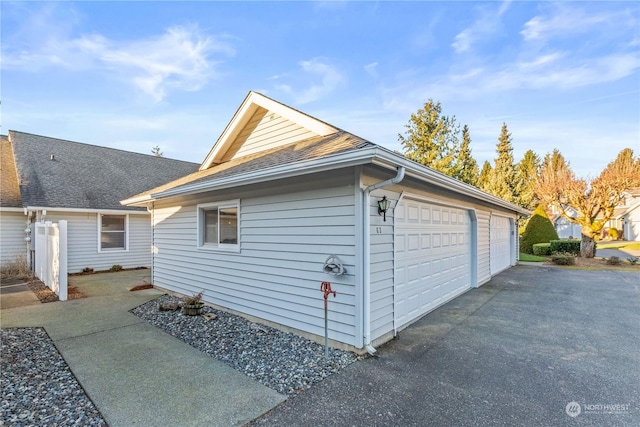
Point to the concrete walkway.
(133, 372)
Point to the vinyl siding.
(82, 242)
(12, 244)
(484, 246)
(266, 130)
(382, 267)
(285, 238)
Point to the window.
(218, 226)
(113, 232)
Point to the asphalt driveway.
(529, 348)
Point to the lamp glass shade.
(383, 204)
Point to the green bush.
(115, 267)
(538, 230)
(563, 259)
(613, 233)
(565, 246)
(542, 249)
(633, 260)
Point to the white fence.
(51, 256)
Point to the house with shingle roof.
(53, 179)
(285, 204)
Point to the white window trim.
(223, 247)
(126, 233)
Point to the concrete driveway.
(535, 346)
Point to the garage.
(432, 257)
(501, 243)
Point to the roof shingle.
(311, 148)
(57, 173)
(9, 189)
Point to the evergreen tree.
(156, 151)
(539, 229)
(483, 179)
(502, 176)
(465, 165)
(526, 175)
(431, 138)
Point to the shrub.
(115, 267)
(87, 270)
(614, 234)
(633, 260)
(538, 230)
(565, 246)
(614, 260)
(542, 249)
(563, 259)
(16, 269)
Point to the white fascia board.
(5, 209)
(373, 155)
(353, 158)
(79, 210)
(246, 111)
(439, 179)
(137, 201)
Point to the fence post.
(62, 261)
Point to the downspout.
(366, 268)
(151, 209)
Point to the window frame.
(202, 208)
(126, 233)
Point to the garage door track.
(535, 346)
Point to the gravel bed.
(282, 361)
(38, 389)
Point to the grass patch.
(619, 245)
(532, 258)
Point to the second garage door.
(432, 257)
(501, 243)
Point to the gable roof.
(55, 173)
(254, 110)
(328, 148)
(9, 189)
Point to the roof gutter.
(375, 155)
(366, 264)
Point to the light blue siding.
(276, 276)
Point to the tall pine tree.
(526, 175)
(483, 178)
(466, 167)
(431, 138)
(502, 177)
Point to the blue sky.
(133, 75)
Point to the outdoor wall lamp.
(383, 207)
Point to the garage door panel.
(442, 258)
(500, 243)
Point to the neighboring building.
(626, 217)
(82, 184)
(281, 192)
(566, 229)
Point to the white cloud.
(179, 59)
(487, 23)
(562, 20)
(371, 69)
(319, 79)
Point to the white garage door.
(432, 257)
(501, 243)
